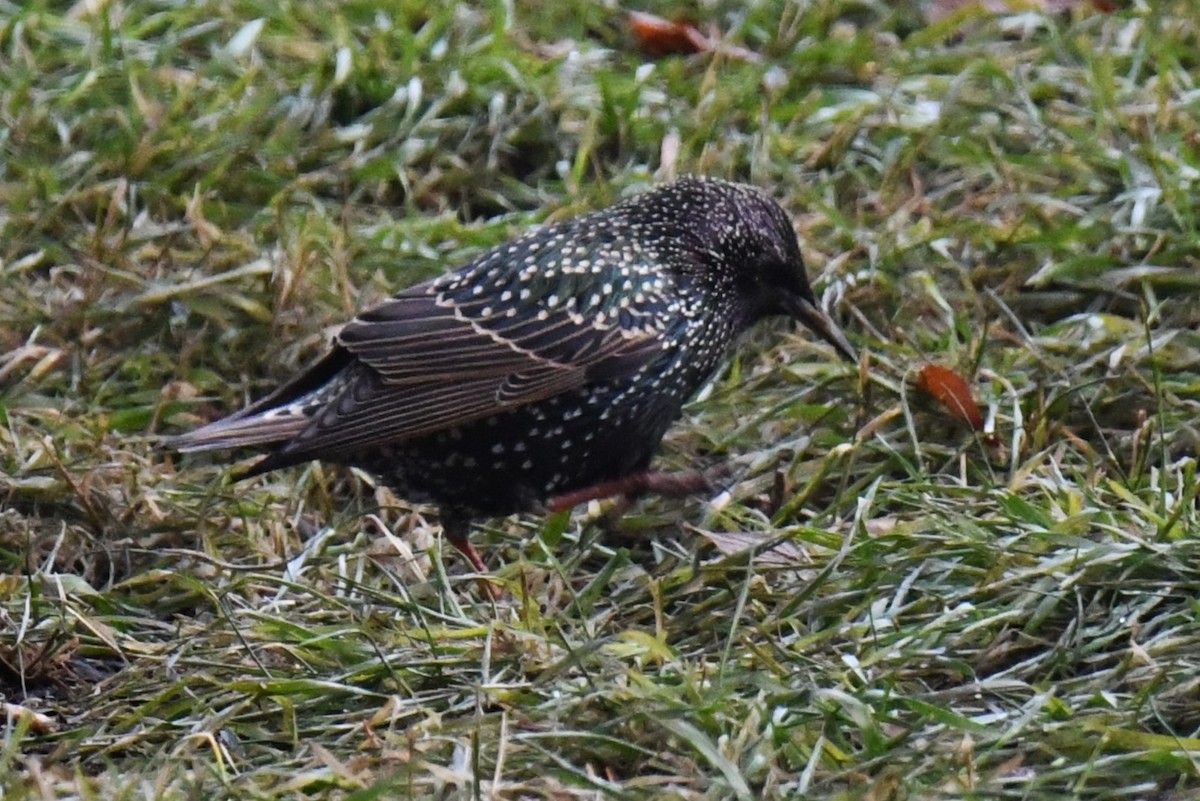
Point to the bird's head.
(748, 242)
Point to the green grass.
(189, 201)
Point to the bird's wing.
(425, 361)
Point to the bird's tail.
(272, 427)
(275, 419)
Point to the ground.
(884, 604)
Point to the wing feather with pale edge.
(421, 363)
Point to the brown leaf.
(661, 37)
(952, 391)
(657, 37)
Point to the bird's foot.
(649, 482)
(458, 537)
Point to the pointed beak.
(820, 324)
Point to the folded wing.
(424, 362)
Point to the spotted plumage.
(546, 365)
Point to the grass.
(191, 195)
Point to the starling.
(548, 367)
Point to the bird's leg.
(458, 531)
(648, 482)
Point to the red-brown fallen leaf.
(952, 391)
(661, 37)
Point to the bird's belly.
(514, 461)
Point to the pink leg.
(458, 533)
(670, 485)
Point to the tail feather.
(275, 419)
(270, 428)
